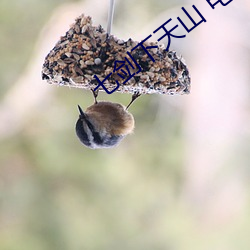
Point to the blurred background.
(180, 182)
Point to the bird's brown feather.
(112, 117)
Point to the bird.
(104, 124)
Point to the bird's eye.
(82, 133)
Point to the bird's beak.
(82, 115)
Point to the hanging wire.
(110, 16)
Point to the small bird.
(104, 124)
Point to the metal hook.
(110, 16)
